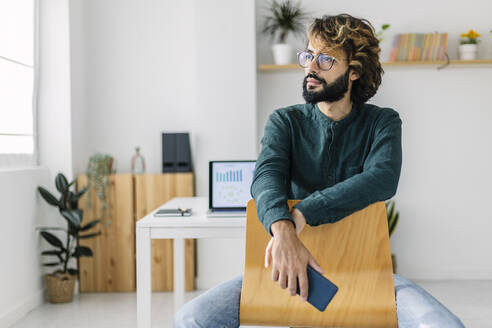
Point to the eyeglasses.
(325, 62)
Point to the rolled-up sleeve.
(378, 180)
(271, 176)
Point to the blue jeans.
(218, 307)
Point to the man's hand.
(290, 258)
(300, 221)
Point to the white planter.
(282, 53)
(468, 51)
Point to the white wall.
(22, 207)
(417, 16)
(79, 130)
(54, 115)
(134, 69)
(148, 70)
(140, 68)
(444, 187)
(20, 277)
(224, 113)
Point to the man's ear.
(354, 75)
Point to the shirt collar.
(343, 122)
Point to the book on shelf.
(419, 47)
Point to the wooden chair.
(354, 254)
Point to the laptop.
(229, 187)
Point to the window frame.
(15, 160)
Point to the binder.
(176, 153)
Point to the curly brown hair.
(358, 39)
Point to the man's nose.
(312, 66)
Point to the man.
(336, 153)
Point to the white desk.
(178, 228)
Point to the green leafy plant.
(379, 34)
(283, 18)
(393, 216)
(67, 205)
(98, 171)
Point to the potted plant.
(60, 284)
(468, 47)
(98, 171)
(393, 217)
(379, 34)
(283, 18)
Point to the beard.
(330, 92)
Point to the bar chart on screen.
(231, 184)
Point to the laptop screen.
(230, 183)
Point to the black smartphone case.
(320, 290)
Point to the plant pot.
(59, 287)
(468, 51)
(282, 53)
(393, 261)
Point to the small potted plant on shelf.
(468, 47)
(380, 34)
(60, 284)
(393, 217)
(283, 18)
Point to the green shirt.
(335, 167)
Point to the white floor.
(471, 301)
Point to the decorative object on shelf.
(176, 152)
(98, 171)
(379, 34)
(284, 18)
(468, 48)
(419, 47)
(138, 162)
(393, 217)
(60, 284)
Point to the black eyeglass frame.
(316, 57)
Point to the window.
(18, 64)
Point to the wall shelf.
(401, 63)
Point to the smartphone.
(320, 290)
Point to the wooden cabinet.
(130, 198)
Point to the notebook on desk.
(229, 187)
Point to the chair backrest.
(355, 255)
